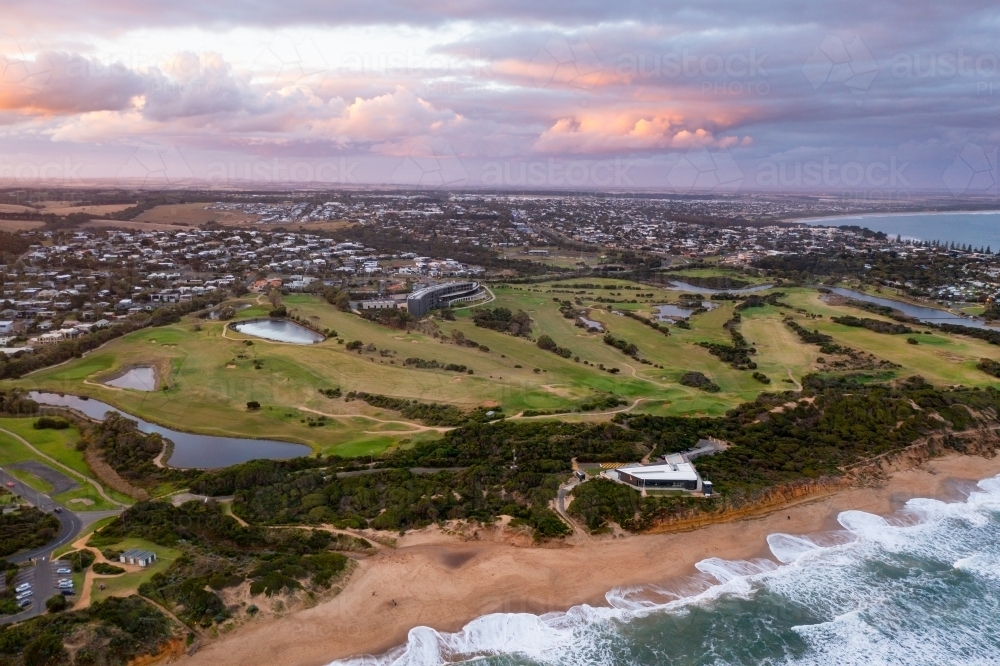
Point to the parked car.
(67, 591)
(22, 587)
(64, 570)
(24, 595)
(24, 603)
(65, 583)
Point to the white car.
(64, 570)
(65, 583)
(22, 587)
(24, 595)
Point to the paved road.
(69, 523)
(60, 482)
(42, 575)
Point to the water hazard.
(137, 379)
(190, 449)
(279, 330)
(924, 314)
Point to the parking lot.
(44, 583)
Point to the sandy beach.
(444, 581)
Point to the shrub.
(503, 320)
(698, 380)
(106, 569)
(253, 405)
(51, 423)
(548, 344)
(354, 344)
(56, 603)
(80, 559)
(912, 341)
(278, 312)
(989, 366)
(622, 345)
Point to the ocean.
(978, 229)
(918, 587)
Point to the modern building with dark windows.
(442, 295)
(674, 473)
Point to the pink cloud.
(625, 131)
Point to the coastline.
(891, 214)
(444, 580)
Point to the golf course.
(208, 373)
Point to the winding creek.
(920, 312)
(190, 449)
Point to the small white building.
(383, 304)
(137, 556)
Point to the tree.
(56, 603)
(275, 297)
(546, 342)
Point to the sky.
(880, 100)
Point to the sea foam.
(915, 588)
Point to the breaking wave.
(917, 588)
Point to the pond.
(279, 330)
(670, 311)
(190, 450)
(590, 323)
(137, 379)
(677, 285)
(924, 314)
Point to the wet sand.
(439, 580)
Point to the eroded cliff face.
(984, 441)
(763, 502)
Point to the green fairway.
(209, 373)
(57, 444)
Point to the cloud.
(513, 80)
(64, 83)
(621, 132)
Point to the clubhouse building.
(674, 473)
(442, 295)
